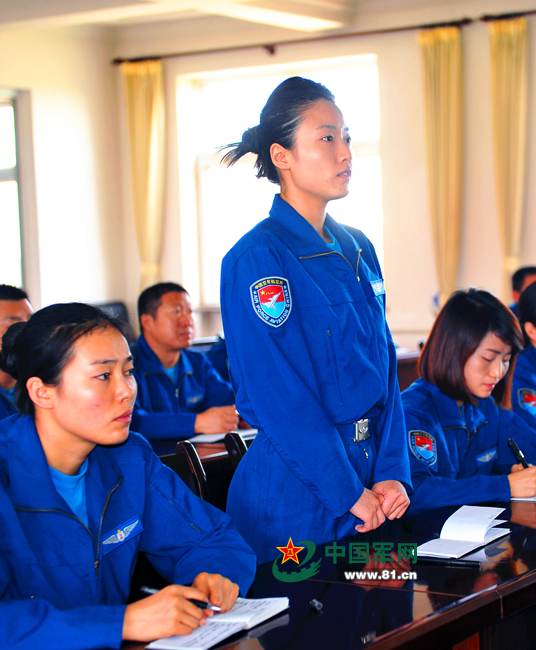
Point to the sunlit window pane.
(8, 156)
(233, 200)
(10, 259)
(223, 221)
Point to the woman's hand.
(393, 498)
(523, 482)
(163, 614)
(519, 467)
(368, 508)
(218, 590)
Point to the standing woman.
(311, 357)
(524, 384)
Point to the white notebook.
(470, 527)
(246, 613)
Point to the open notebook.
(467, 529)
(245, 614)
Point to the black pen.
(518, 454)
(450, 562)
(202, 604)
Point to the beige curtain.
(145, 104)
(441, 52)
(509, 83)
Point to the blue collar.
(150, 363)
(23, 450)
(303, 238)
(450, 414)
(530, 354)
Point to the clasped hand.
(386, 499)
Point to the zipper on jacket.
(59, 512)
(159, 372)
(100, 526)
(470, 437)
(308, 257)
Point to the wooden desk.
(491, 609)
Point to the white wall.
(72, 90)
(87, 242)
(409, 265)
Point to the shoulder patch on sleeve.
(527, 399)
(423, 446)
(271, 300)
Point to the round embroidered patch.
(527, 399)
(423, 446)
(271, 300)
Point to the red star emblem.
(290, 551)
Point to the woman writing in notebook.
(311, 357)
(458, 415)
(80, 497)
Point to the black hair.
(151, 298)
(7, 292)
(526, 310)
(519, 276)
(43, 345)
(279, 120)
(459, 328)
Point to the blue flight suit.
(64, 585)
(307, 359)
(524, 386)
(165, 410)
(6, 407)
(460, 456)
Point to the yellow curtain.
(509, 96)
(145, 104)
(441, 52)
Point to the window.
(11, 258)
(221, 106)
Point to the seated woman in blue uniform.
(80, 498)
(458, 416)
(311, 357)
(524, 383)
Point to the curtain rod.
(271, 47)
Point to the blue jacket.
(6, 407)
(524, 386)
(63, 585)
(310, 353)
(163, 410)
(460, 457)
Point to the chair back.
(236, 448)
(186, 463)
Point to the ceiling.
(301, 15)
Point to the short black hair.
(461, 325)
(7, 292)
(519, 276)
(42, 346)
(151, 298)
(526, 310)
